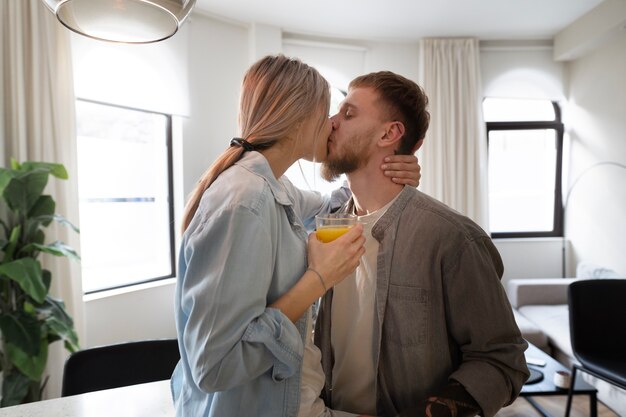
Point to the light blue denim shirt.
(244, 248)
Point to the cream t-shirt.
(352, 317)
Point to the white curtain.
(454, 154)
(38, 124)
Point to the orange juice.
(328, 234)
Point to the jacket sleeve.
(308, 204)
(480, 319)
(229, 334)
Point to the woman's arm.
(226, 275)
(329, 264)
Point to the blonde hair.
(277, 95)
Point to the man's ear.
(393, 133)
(418, 145)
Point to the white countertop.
(143, 400)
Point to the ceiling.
(406, 20)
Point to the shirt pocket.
(406, 321)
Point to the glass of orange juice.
(330, 226)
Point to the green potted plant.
(30, 319)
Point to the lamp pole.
(566, 202)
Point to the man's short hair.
(405, 101)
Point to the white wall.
(595, 218)
(218, 58)
(530, 258)
(338, 63)
(521, 71)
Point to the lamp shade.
(128, 21)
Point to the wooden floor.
(555, 406)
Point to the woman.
(246, 275)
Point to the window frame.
(170, 190)
(557, 126)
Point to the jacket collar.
(378, 231)
(255, 163)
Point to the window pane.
(522, 169)
(514, 110)
(123, 181)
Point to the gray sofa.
(540, 309)
(541, 312)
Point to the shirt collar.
(256, 163)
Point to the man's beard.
(354, 156)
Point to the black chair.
(597, 313)
(119, 365)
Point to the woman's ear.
(393, 133)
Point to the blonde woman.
(246, 273)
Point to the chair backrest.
(119, 365)
(597, 313)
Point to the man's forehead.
(359, 97)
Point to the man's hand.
(403, 169)
(452, 401)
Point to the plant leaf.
(22, 330)
(44, 206)
(5, 226)
(31, 366)
(35, 182)
(14, 164)
(57, 248)
(27, 273)
(57, 170)
(6, 176)
(46, 277)
(61, 220)
(14, 388)
(10, 248)
(60, 324)
(14, 194)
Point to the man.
(425, 328)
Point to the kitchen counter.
(144, 400)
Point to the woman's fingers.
(402, 169)
(339, 258)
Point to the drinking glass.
(330, 226)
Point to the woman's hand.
(337, 259)
(329, 262)
(403, 169)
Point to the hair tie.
(247, 146)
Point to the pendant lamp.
(127, 21)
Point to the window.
(125, 195)
(525, 142)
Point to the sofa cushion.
(531, 332)
(554, 322)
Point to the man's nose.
(334, 122)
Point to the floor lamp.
(566, 202)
